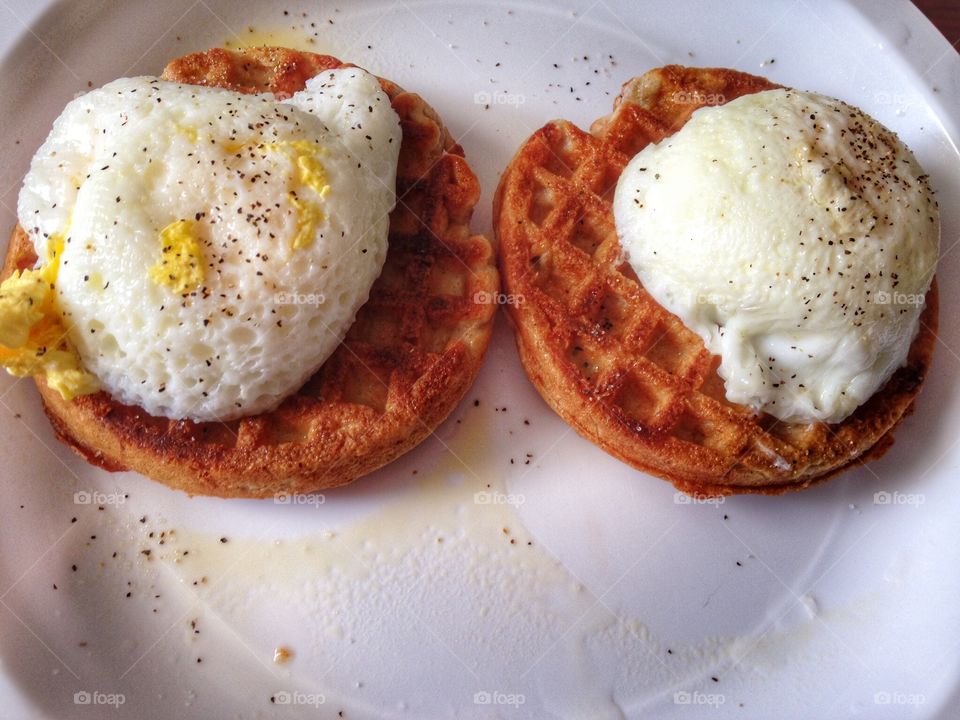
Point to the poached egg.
(797, 236)
(206, 250)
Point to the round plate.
(506, 567)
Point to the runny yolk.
(33, 337)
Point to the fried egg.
(216, 245)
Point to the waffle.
(411, 354)
(618, 367)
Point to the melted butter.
(453, 548)
(181, 262)
(276, 37)
(453, 541)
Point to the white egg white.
(126, 160)
(797, 236)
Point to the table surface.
(945, 14)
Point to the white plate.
(570, 586)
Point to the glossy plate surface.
(506, 568)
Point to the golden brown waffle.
(409, 357)
(618, 367)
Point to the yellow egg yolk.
(33, 338)
(181, 263)
(309, 215)
(312, 174)
(305, 155)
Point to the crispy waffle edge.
(308, 443)
(644, 113)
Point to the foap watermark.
(315, 499)
(285, 298)
(702, 298)
(684, 697)
(696, 97)
(757, 297)
(896, 497)
(495, 697)
(482, 297)
(488, 497)
(895, 697)
(884, 97)
(883, 297)
(95, 697)
(298, 698)
(682, 498)
(96, 497)
(486, 98)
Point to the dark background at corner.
(945, 14)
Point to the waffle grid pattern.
(621, 369)
(412, 352)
